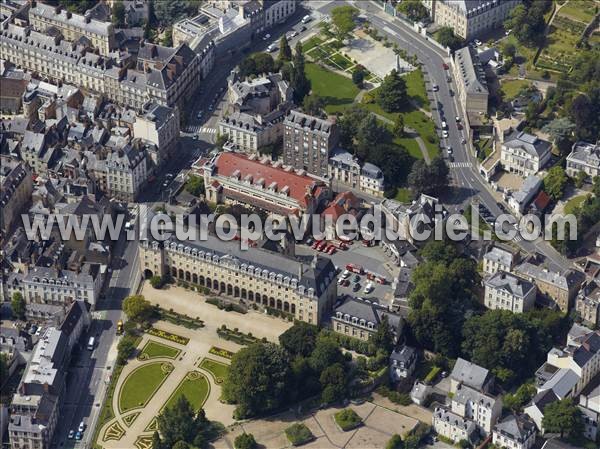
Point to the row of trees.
(266, 376)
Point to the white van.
(444, 125)
(307, 18)
(91, 343)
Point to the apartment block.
(587, 303)
(514, 431)
(158, 125)
(499, 258)
(360, 319)
(471, 84)
(16, 185)
(308, 141)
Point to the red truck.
(354, 268)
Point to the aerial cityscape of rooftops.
(246, 224)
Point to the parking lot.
(372, 261)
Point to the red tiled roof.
(542, 201)
(228, 163)
(343, 203)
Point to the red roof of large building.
(235, 164)
(343, 203)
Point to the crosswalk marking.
(206, 130)
(460, 164)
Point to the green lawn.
(411, 146)
(311, 43)
(404, 195)
(415, 86)
(219, 370)
(512, 88)
(414, 119)
(573, 203)
(154, 349)
(337, 91)
(140, 386)
(194, 389)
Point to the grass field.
(194, 387)
(411, 146)
(217, 369)
(140, 385)
(337, 91)
(512, 88)
(574, 203)
(153, 350)
(415, 86)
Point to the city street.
(468, 183)
(90, 370)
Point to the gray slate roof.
(470, 374)
(516, 427)
(527, 142)
(514, 285)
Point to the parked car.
(435, 87)
(293, 34)
(78, 436)
(445, 66)
(345, 274)
(33, 329)
(81, 427)
(477, 42)
(71, 434)
(445, 134)
(356, 278)
(346, 283)
(266, 37)
(368, 288)
(356, 287)
(459, 126)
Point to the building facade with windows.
(506, 291)
(16, 185)
(159, 126)
(307, 142)
(236, 178)
(524, 154)
(361, 318)
(470, 18)
(584, 157)
(305, 291)
(471, 84)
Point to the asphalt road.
(467, 182)
(90, 371)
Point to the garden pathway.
(201, 341)
(412, 134)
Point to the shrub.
(347, 419)
(298, 434)
(245, 441)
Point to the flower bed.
(168, 336)
(347, 419)
(298, 434)
(236, 336)
(221, 352)
(180, 320)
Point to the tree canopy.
(195, 185)
(180, 424)
(555, 182)
(245, 441)
(391, 95)
(259, 379)
(298, 79)
(527, 22)
(257, 64)
(300, 339)
(413, 9)
(313, 105)
(510, 345)
(17, 305)
(342, 18)
(285, 51)
(137, 308)
(563, 417)
(443, 293)
(447, 38)
(429, 179)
